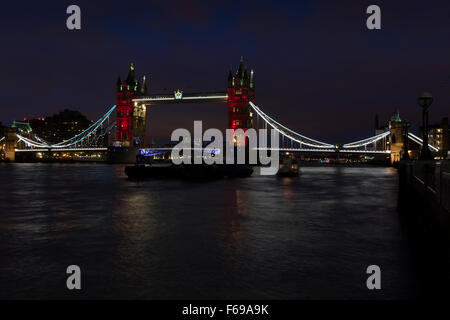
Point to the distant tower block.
(130, 118)
(241, 90)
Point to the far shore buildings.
(53, 129)
(438, 136)
(59, 127)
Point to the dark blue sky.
(318, 69)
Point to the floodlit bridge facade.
(130, 111)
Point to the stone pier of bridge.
(9, 144)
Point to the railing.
(445, 190)
(434, 178)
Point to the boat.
(187, 171)
(288, 166)
(146, 167)
(144, 171)
(236, 170)
(198, 172)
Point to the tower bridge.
(132, 100)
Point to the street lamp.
(425, 100)
(405, 130)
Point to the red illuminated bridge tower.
(130, 116)
(241, 90)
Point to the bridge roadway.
(61, 149)
(258, 149)
(180, 97)
(296, 150)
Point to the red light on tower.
(126, 92)
(241, 90)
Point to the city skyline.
(334, 63)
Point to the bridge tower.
(130, 117)
(241, 90)
(397, 127)
(10, 143)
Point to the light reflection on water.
(261, 237)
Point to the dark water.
(261, 237)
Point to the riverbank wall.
(424, 208)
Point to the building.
(399, 129)
(22, 127)
(57, 128)
(8, 141)
(2, 141)
(438, 136)
(397, 140)
(130, 117)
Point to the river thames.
(262, 237)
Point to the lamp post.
(425, 100)
(405, 127)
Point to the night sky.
(318, 69)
